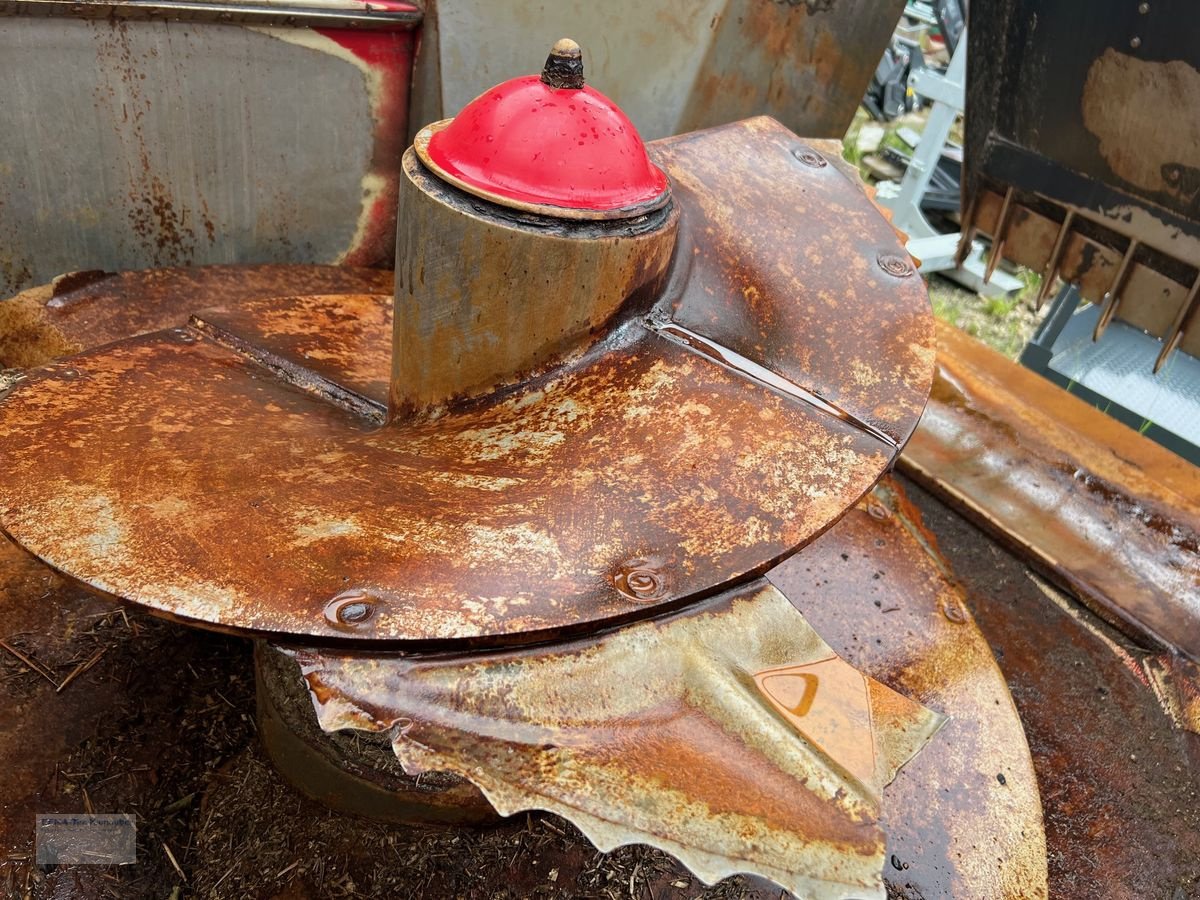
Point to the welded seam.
(748, 368)
(297, 376)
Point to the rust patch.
(79, 311)
(451, 524)
(1119, 782)
(806, 62)
(876, 586)
(802, 314)
(351, 772)
(1151, 301)
(165, 233)
(877, 589)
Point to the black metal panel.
(1107, 90)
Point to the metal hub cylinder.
(351, 772)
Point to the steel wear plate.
(963, 819)
(793, 267)
(233, 473)
(735, 738)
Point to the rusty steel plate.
(837, 308)
(963, 818)
(81, 310)
(1102, 510)
(234, 473)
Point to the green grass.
(850, 151)
(1004, 323)
(1000, 306)
(946, 310)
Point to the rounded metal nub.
(564, 66)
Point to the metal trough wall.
(136, 135)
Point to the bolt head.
(894, 264)
(640, 580)
(351, 609)
(810, 157)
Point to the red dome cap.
(547, 144)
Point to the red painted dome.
(548, 144)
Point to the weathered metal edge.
(285, 15)
(976, 388)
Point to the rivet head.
(877, 510)
(184, 336)
(641, 580)
(351, 609)
(69, 374)
(810, 157)
(895, 264)
(954, 613)
(1135, 42)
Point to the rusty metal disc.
(235, 473)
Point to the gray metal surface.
(136, 144)
(1120, 366)
(672, 65)
(1116, 373)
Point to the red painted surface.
(532, 143)
(389, 55)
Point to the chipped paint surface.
(1143, 115)
(384, 60)
(689, 750)
(640, 448)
